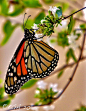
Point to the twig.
(71, 78)
(72, 13)
(79, 20)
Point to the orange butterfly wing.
(17, 74)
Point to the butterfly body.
(32, 59)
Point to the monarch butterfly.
(32, 59)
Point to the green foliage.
(31, 3)
(60, 73)
(5, 103)
(82, 108)
(45, 96)
(11, 96)
(3, 7)
(39, 17)
(1, 80)
(29, 84)
(64, 6)
(48, 1)
(83, 26)
(8, 30)
(71, 25)
(70, 54)
(18, 9)
(62, 39)
(78, 34)
(1, 93)
(47, 27)
(1, 2)
(59, 12)
(53, 40)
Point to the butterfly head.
(29, 33)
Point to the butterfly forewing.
(17, 74)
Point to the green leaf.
(5, 103)
(65, 6)
(62, 39)
(1, 80)
(82, 108)
(3, 7)
(45, 96)
(31, 3)
(18, 9)
(1, 1)
(59, 12)
(83, 26)
(48, 1)
(1, 92)
(38, 102)
(29, 84)
(71, 25)
(39, 17)
(70, 54)
(11, 96)
(8, 30)
(38, 89)
(53, 40)
(60, 73)
(78, 34)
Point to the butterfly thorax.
(29, 34)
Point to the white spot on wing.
(11, 74)
(26, 61)
(14, 69)
(8, 70)
(8, 88)
(6, 85)
(15, 78)
(10, 64)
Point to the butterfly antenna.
(23, 20)
(27, 20)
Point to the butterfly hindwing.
(40, 59)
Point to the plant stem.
(71, 78)
(73, 13)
